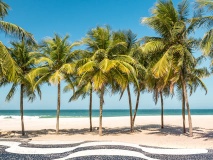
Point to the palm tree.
(133, 49)
(55, 64)
(82, 90)
(194, 80)
(159, 89)
(174, 47)
(25, 58)
(106, 67)
(8, 66)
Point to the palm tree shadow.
(148, 129)
(154, 129)
(167, 130)
(207, 134)
(37, 133)
(178, 131)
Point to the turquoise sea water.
(7, 114)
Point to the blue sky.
(43, 18)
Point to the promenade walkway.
(48, 150)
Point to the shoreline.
(8, 117)
(147, 130)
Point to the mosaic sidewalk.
(27, 150)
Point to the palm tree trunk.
(101, 110)
(188, 110)
(22, 109)
(187, 105)
(22, 104)
(58, 107)
(136, 108)
(162, 121)
(90, 110)
(130, 107)
(183, 112)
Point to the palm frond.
(67, 68)
(99, 80)
(8, 66)
(206, 3)
(207, 43)
(183, 10)
(88, 67)
(106, 65)
(3, 9)
(152, 47)
(11, 92)
(14, 30)
(56, 77)
(162, 66)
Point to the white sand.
(147, 130)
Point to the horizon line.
(108, 109)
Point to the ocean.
(15, 114)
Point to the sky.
(43, 18)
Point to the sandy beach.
(147, 130)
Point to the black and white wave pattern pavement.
(26, 150)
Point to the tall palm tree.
(174, 47)
(8, 66)
(55, 64)
(159, 89)
(25, 58)
(194, 80)
(82, 91)
(132, 49)
(142, 69)
(106, 67)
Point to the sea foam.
(18, 117)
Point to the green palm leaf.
(8, 66)
(106, 65)
(207, 43)
(99, 80)
(14, 30)
(88, 67)
(162, 66)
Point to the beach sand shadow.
(148, 129)
(207, 134)
(167, 130)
